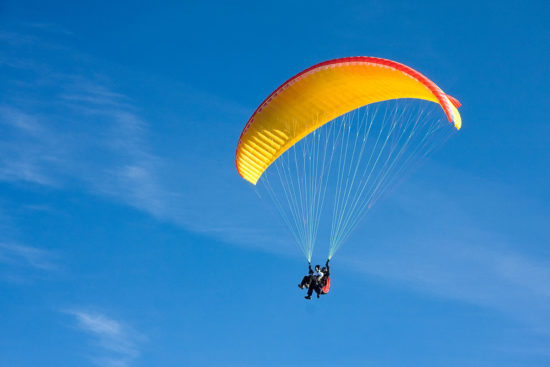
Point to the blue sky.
(128, 238)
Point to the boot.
(307, 297)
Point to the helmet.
(317, 267)
(323, 269)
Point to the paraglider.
(320, 283)
(330, 141)
(318, 280)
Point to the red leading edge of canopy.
(437, 92)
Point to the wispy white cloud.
(78, 129)
(21, 264)
(27, 148)
(17, 255)
(454, 252)
(116, 344)
(92, 134)
(500, 280)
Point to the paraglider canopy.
(385, 118)
(321, 93)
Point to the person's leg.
(310, 291)
(318, 290)
(305, 282)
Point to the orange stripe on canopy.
(320, 94)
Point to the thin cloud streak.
(88, 133)
(93, 134)
(117, 343)
(26, 148)
(507, 282)
(17, 255)
(467, 262)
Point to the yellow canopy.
(322, 93)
